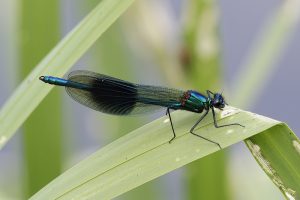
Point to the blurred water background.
(142, 46)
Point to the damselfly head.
(218, 101)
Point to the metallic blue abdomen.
(64, 82)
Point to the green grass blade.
(31, 91)
(42, 126)
(258, 69)
(277, 151)
(145, 154)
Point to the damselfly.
(114, 96)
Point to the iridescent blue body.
(114, 96)
(62, 82)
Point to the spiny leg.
(174, 135)
(219, 126)
(195, 125)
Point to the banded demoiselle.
(114, 96)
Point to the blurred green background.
(183, 44)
